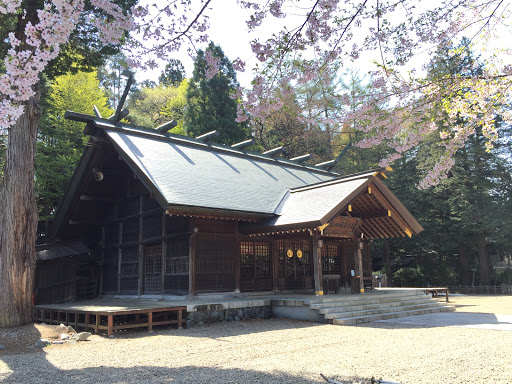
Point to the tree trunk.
(18, 220)
(464, 268)
(484, 260)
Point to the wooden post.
(102, 258)
(317, 265)
(119, 258)
(192, 261)
(150, 321)
(237, 260)
(275, 266)
(98, 322)
(359, 264)
(180, 318)
(110, 326)
(141, 251)
(164, 250)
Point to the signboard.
(341, 226)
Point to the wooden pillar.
(119, 258)
(192, 262)
(237, 259)
(275, 266)
(140, 288)
(359, 260)
(164, 249)
(150, 321)
(102, 257)
(317, 265)
(110, 324)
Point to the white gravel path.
(281, 351)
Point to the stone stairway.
(379, 306)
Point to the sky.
(229, 30)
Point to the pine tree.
(209, 103)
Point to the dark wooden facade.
(166, 215)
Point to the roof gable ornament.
(274, 151)
(208, 136)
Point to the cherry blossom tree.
(393, 31)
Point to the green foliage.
(409, 277)
(173, 74)
(61, 142)
(113, 76)
(209, 105)
(467, 216)
(151, 107)
(282, 128)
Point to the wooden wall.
(144, 250)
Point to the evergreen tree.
(173, 74)
(209, 104)
(465, 216)
(60, 142)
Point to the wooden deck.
(111, 315)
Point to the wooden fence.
(482, 289)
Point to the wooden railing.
(482, 289)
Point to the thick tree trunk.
(18, 220)
(484, 260)
(464, 268)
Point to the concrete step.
(390, 315)
(351, 308)
(358, 297)
(382, 310)
(366, 301)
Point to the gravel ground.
(280, 351)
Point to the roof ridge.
(185, 140)
(354, 176)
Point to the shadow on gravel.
(449, 319)
(222, 329)
(35, 368)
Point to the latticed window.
(255, 265)
(215, 263)
(295, 267)
(331, 259)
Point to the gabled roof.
(361, 195)
(192, 174)
(192, 177)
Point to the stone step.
(391, 315)
(366, 301)
(356, 297)
(382, 310)
(352, 308)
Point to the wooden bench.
(367, 281)
(331, 283)
(435, 292)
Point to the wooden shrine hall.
(152, 213)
